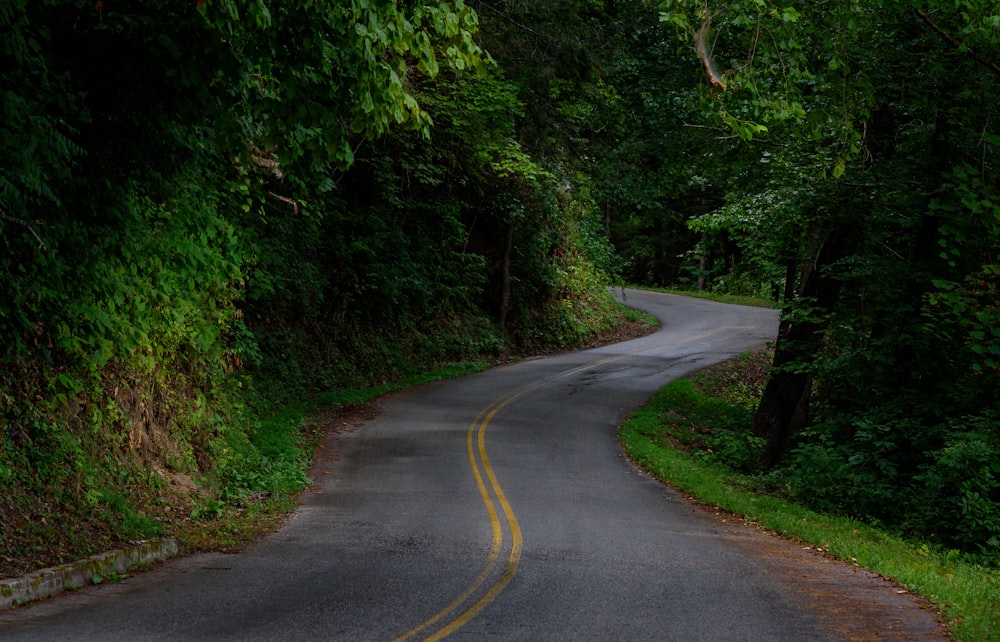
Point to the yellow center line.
(496, 543)
(517, 542)
(483, 466)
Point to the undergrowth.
(124, 457)
(694, 435)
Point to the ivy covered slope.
(209, 207)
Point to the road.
(499, 506)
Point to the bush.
(959, 490)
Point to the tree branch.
(27, 224)
(955, 42)
(704, 53)
(285, 199)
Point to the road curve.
(500, 506)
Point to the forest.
(212, 208)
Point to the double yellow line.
(482, 471)
(479, 462)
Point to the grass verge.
(225, 469)
(246, 506)
(249, 504)
(259, 485)
(659, 438)
(737, 299)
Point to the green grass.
(259, 478)
(348, 396)
(751, 301)
(282, 447)
(633, 315)
(967, 595)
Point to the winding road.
(499, 506)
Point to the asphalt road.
(499, 506)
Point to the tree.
(155, 156)
(319, 76)
(884, 188)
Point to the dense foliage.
(209, 203)
(207, 207)
(872, 180)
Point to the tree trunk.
(784, 405)
(505, 286)
(658, 273)
(702, 263)
(790, 273)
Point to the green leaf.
(839, 167)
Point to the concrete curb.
(52, 581)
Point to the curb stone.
(52, 581)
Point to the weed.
(211, 509)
